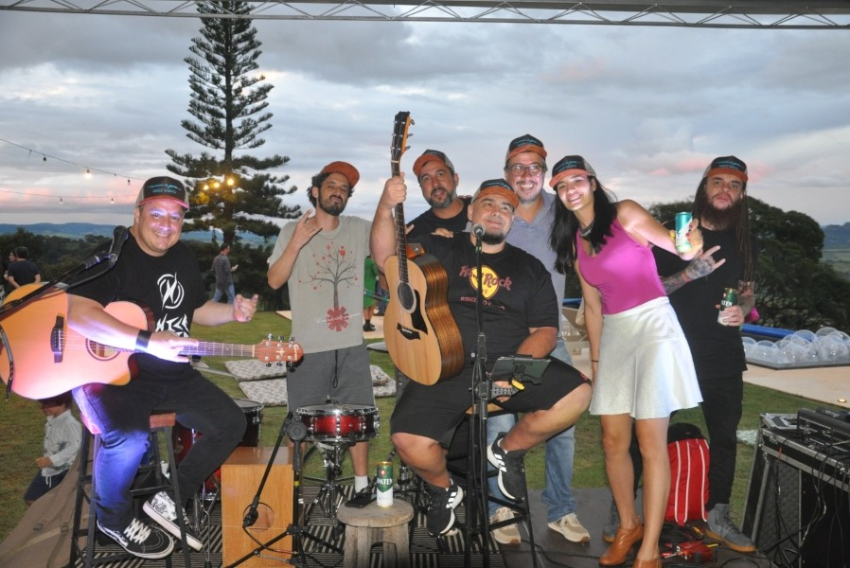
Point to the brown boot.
(623, 542)
(654, 563)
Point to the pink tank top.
(624, 272)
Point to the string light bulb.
(60, 201)
(88, 173)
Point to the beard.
(450, 197)
(722, 219)
(331, 207)
(490, 238)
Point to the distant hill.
(836, 236)
(80, 230)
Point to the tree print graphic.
(334, 269)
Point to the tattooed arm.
(703, 265)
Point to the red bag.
(689, 460)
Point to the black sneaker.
(441, 510)
(511, 469)
(161, 509)
(368, 327)
(141, 539)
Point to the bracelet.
(594, 360)
(685, 276)
(142, 340)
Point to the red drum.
(339, 422)
(184, 438)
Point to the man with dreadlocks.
(720, 208)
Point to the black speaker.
(798, 505)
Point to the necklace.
(585, 231)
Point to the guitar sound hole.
(101, 352)
(406, 297)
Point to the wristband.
(594, 360)
(685, 276)
(142, 340)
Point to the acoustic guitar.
(421, 335)
(42, 357)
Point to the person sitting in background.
(62, 439)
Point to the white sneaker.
(161, 509)
(571, 528)
(507, 534)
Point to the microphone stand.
(297, 431)
(478, 495)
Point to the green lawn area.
(22, 427)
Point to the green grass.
(22, 427)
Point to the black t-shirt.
(518, 293)
(23, 271)
(717, 349)
(427, 223)
(169, 286)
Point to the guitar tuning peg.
(411, 122)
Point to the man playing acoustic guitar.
(159, 271)
(520, 317)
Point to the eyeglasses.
(533, 169)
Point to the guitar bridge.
(57, 339)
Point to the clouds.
(649, 107)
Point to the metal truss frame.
(754, 14)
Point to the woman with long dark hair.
(642, 367)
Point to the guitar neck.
(220, 349)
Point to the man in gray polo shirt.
(525, 170)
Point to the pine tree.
(231, 192)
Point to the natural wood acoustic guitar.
(421, 335)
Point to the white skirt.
(645, 366)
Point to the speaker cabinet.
(798, 506)
(240, 477)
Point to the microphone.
(478, 230)
(119, 236)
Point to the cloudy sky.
(648, 107)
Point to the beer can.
(683, 225)
(384, 484)
(730, 298)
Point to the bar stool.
(372, 525)
(86, 486)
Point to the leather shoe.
(654, 563)
(623, 542)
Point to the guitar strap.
(336, 369)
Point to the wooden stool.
(372, 524)
(159, 422)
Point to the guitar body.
(44, 358)
(27, 352)
(422, 337)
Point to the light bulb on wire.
(88, 173)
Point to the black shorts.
(435, 411)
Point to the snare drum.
(184, 438)
(339, 422)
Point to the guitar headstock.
(280, 351)
(401, 131)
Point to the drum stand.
(329, 496)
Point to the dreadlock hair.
(565, 226)
(741, 224)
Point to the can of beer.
(384, 484)
(683, 225)
(730, 298)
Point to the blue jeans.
(122, 414)
(560, 450)
(220, 292)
